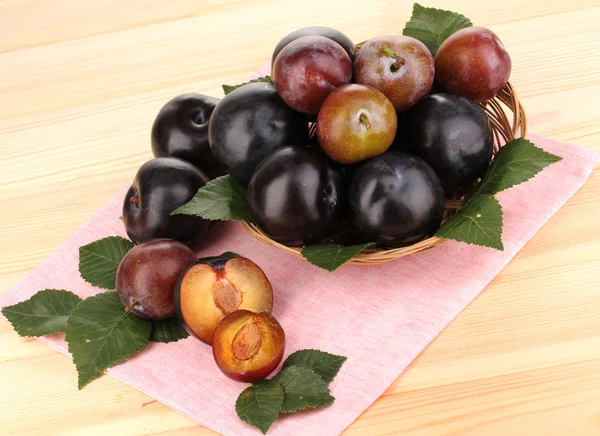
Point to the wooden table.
(80, 84)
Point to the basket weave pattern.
(508, 121)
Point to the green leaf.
(223, 198)
(330, 256)
(167, 330)
(98, 261)
(101, 334)
(228, 88)
(432, 26)
(324, 364)
(515, 163)
(479, 222)
(259, 405)
(303, 389)
(45, 312)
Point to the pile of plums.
(343, 144)
(393, 132)
(225, 301)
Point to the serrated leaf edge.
(26, 334)
(181, 209)
(364, 247)
(85, 249)
(342, 358)
(417, 9)
(251, 387)
(331, 397)
(500, 247)
(551, 159)
(67, 335)
(227, 89)
(171, 340)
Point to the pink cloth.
(380, 317)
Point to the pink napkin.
(380, 317)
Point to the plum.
(327, 32)
(147, 276)
(214, 287)
(160, 186)
(356, 122)
(249, 124)
(308, 69)
(473, 63)
(399, 66)
(396, 199)
(181, 130)
(297, 196)
(248, 346)
(452, 134)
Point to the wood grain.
(80, 83)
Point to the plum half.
(215, 287)
(248, 346)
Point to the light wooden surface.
(80, 83)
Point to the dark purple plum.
(452, 134)
(160, 186)
(251, 123)
(147, 276)
(396, 199)
(297, 196)
(181, 130)
(327, 32)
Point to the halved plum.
(215, 287)
(248, 346)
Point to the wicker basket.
(508, 121)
